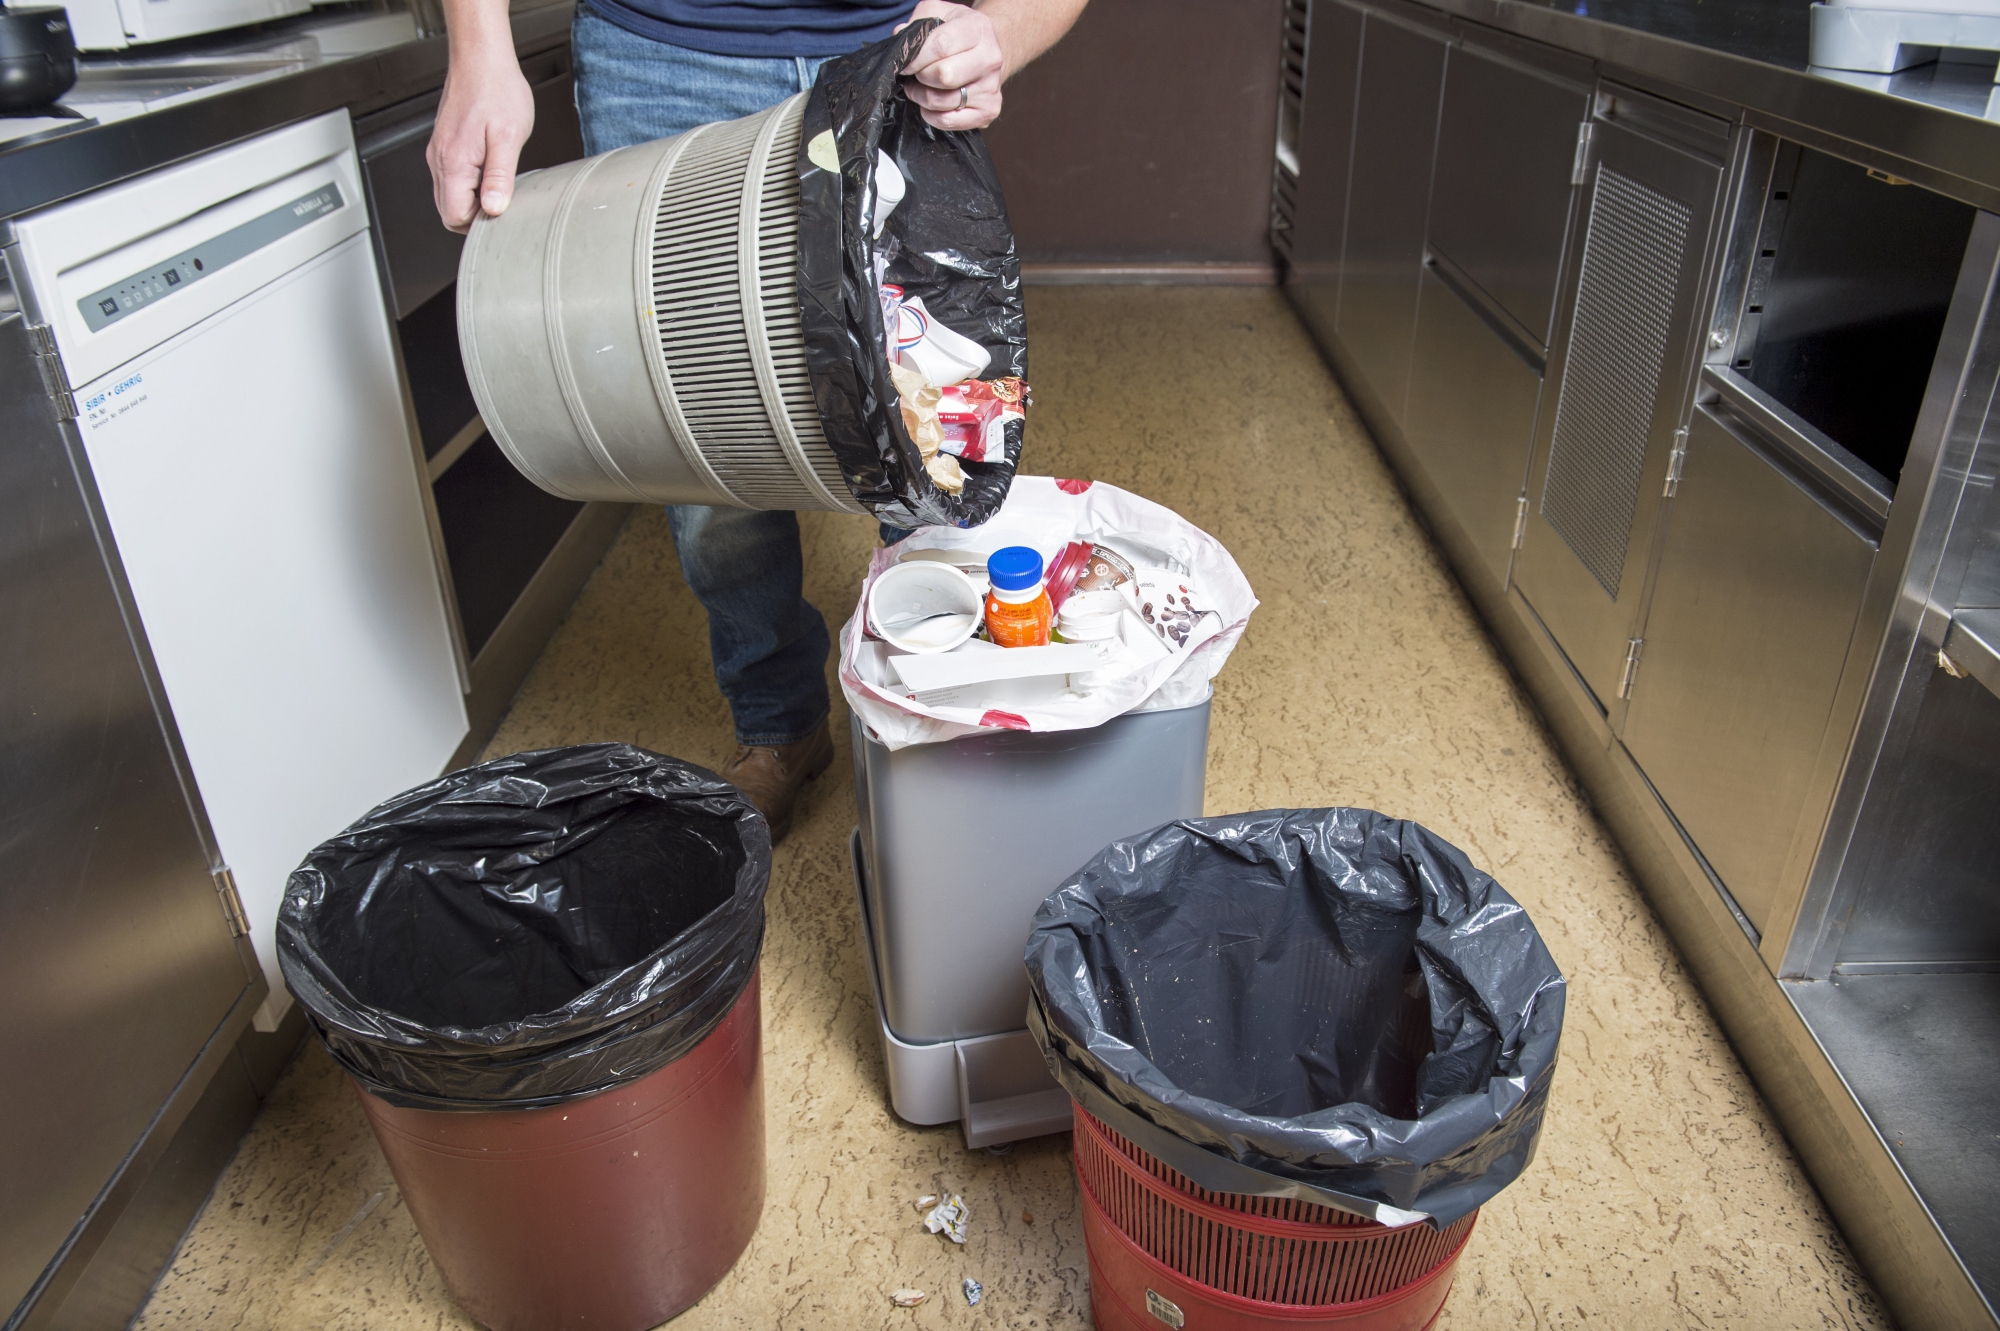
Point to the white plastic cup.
(934, 351)
(1090, 616)
(923, 606)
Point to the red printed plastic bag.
(1184, 612)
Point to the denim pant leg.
(768, 643)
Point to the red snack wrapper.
(974, 415)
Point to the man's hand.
(956, 75)
(485, 117)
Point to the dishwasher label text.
(113, 402)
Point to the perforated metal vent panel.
(1291, 110)
(1617, 353)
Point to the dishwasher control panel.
(119, 299)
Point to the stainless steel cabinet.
(1325, 146)
(1499, 212)
(1622, 359)
(119, 977)
(1395, 131)
(1759, 585)
(1730, 595)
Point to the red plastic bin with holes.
(1164, 1252)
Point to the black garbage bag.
(1320, 1003)
(948, 242)
(531, 930)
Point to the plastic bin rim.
(1207, 697)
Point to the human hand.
(487, 113)
(956, 75)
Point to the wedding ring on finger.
(964, 96)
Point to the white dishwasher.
(238, 400)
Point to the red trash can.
(1164, 1251)
(612, 1213)
(541, 974)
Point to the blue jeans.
(768, 644)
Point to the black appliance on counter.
(37, 57)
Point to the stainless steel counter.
(1751, 54)
(147, 107)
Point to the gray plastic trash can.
(958, 845)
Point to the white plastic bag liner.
(1048, 514)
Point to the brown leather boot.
(773, 776)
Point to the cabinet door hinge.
(232, 902)
(54, 378)
(1579, 170)
(1632, 649)
(1520, 521)
(1676, 459)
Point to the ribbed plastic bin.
(631, 327)
(1164, 1251)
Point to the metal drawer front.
(1501, 192)
(1757, 595)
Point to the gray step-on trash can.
(958, 845)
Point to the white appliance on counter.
(238, 399)
(113, 25)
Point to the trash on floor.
(1160, 605)
(925, 1202)
(948, 1218)
(907, 1298)
(974, 1291)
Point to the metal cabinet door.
(1325, 145)
(1505, 178)
(1757, 593)
(1395, 131)
(117, 965)
(1471, 418)
(1501, 198)
(1621, 367)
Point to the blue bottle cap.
(1014, 569)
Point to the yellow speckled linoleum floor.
(1664, 1195)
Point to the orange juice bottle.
(1018, 613)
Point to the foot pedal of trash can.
(995, 1086)
(1005, 1092)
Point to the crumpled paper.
(919, 398)
(948, 1218)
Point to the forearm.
(477, 33)
(1026, 28)
(486, 115)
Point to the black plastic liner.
(1321, 1003)
(953, 248)
(535, 929)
